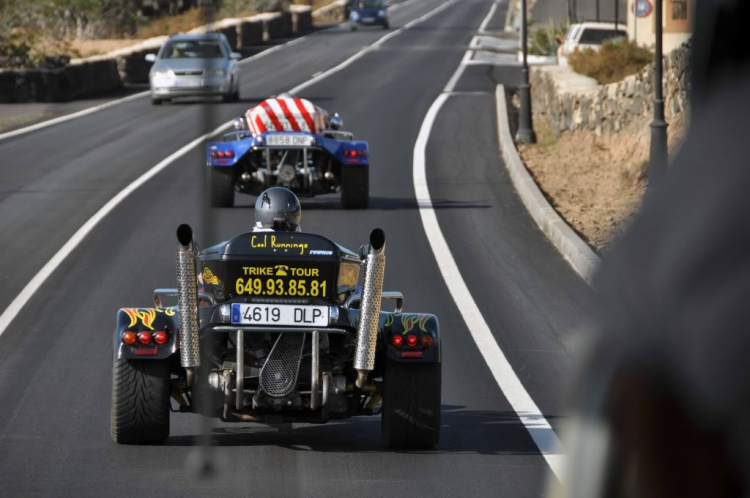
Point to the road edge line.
(580, 256)
(528, 413)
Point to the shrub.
(612, 62)
(543, 40)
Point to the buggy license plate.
(290, 140)
(286, 315)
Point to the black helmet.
(279, 209)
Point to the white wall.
(642, 29)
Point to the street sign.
(642, 8)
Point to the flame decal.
(147, 316)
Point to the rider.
(277, 209)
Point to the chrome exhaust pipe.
(369, 313)
(187, 300)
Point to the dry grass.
(180, 23)
(612, 62)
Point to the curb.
(580, 256)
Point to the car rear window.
(596, 36)
(193, 49)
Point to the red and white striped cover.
(286, 114)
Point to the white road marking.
(42, 275)
(536, 424)
(483, 26)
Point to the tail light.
(129, 338)
(427, 341)
(144, 337)
(411, 340)
(161, 337)
(397, 340)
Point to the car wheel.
(411, 404)
(140, 401)
(156, 101)
(386, 25)
(221, 187)
(355, 186)
(354, 27)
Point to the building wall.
(677, 25)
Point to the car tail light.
(161, 337)
(411, 340)
(361, 153)
(397, 340)
(146, 352)
(144, 337)
(410, 354)
(427, 341)
(129, 338)
(229, 153)
(222, 153)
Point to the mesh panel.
(369, 315)
(187, 303)
(278, 377)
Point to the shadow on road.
(483, 432)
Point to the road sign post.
(658, 154)
(525, 131)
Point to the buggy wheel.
(221, 187)
(355, 187)
(140, 401)
(411, 405)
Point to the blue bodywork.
(244, 142)
(369, 13)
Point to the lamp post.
(525, 131)
(658, 154)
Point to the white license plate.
(188, 82)
(368, 19)
(283, 315)
(290, 140)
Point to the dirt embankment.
(596, 183)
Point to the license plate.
(290, 140)
(188, 82)
(368, 19)
(283, 315)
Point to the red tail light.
(427, 341)
(129, 338)
(222, 154)
(397, 340)
(214, 155)
(146, 352)
(361, 153)
(229, 153)
(161, 337)
(410, 354)
(411, 340)
(144, 337)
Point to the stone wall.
(569, 101)
(58, 85)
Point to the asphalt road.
(55, 358)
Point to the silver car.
(195, 65)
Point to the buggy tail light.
(161, 337)
(410, 354)
(146, 352)
(129, 338)
(427, 341)
(144, 337)
(397, 340)
(411, 340)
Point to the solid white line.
(531, 417)
(42, 275)
(68, 117)
(483, 26)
